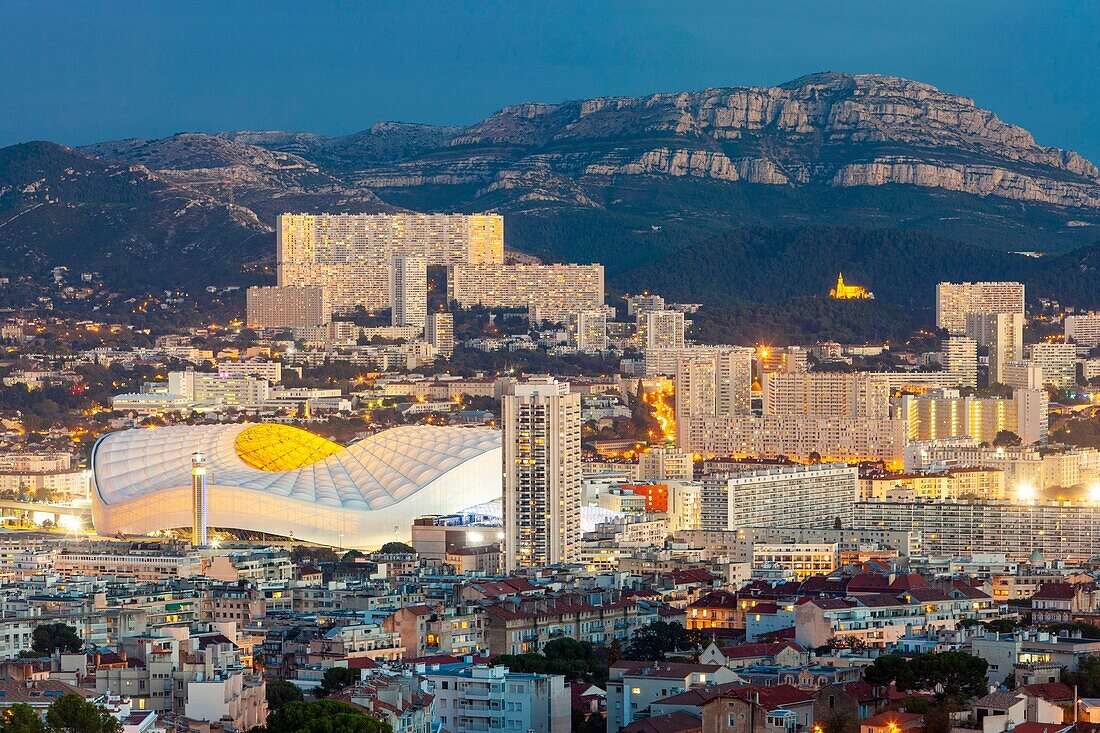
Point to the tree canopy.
(577, 660)
(48, 638)
(948, 674)
(323, 716)
(73, 714)
(661, 638)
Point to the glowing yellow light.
(1025, 492)
(274, 447)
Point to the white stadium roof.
(283, 480)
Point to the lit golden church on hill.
(849, 292)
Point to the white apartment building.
(408, 291)
(810, 496)
(548, 292)
(439, 331)
(287, 307)
(1027, 465)
(588, 330)
(483, 698)
(858, 396)
(272, 371)
(1020, 374)
(1083, 330)
(802, 558)
(944, 414)
(960, 357)
(1062, 530)
(661, 329)
(638, 304)
(1002, 334)
(796, 436)
(1059, 363)
(214, 389)
(955, 300)
(542, 472)
(710, 383)
(155, 565)
(350, 254)
(664, 463)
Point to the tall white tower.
(542, 472)
(198, 500)
(408, 291)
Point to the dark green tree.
(888, 669)
(323, 716)
(397, 548)
(22, 718)
(336, 679)
(948, 674)
(48, 638)
(661, 638)
(1006, 438)
(281, 692)
(73, 714)
(1086, 677)
(839, 721)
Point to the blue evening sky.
(80, 72)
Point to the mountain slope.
(61, 207)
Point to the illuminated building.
(408, 291)
(1002, 334)
(849, 292)
(1083, 330)
(944, 414)
(664, 463)
(795, 436)
(548, 292)
(286, 307)
(588, 330)
(803, 558)
(954, 483)
(960, 357)
(1021, 375)
(639, 304)
(542, 472)
(198, 500)
(1058, 361)
(661, 329)
(810, 496)
(858, 395)
(655, 495)
(1064, 530)
(283, 480)
(350, 254)
(439, 330)
(955, 300)
(1028, 465)
(711, 383)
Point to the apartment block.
(811, 496)
(408, 291)
(287, 307)
(439, 331)
(483, 698)
(1083, 330)
(857, 396)
(661, 329)
(960, 357)
(955, 300)
(1058, 361)
(548, 292)
(1003, 335)
(350, 254)
(588, 330)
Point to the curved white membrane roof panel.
(360, 496)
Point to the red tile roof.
(675, 722)
(1053, 691)
(716, 599)
(1055, 592)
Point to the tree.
(578, 661)
(336, 679)
(946, 673)
(661, 638)
(281, 692)
(73, 714)
(48, 638)
(397, 548)
(838, 721)
(352, 556)
(22, 718)
(323, 716)
(1086, 677)
(886, 670)
(1005, 438)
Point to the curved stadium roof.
(283, 480)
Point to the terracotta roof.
(691, 575)
(1053, 691)
(928, 595)
(770, 698)
(38, 691)
(861, 690)
(908, 582)
(675, 722)
(716, 599)
(868, 583)
(1030, 727)
(766, 649)
(1055, 592)
(998, 700)
(827, 603)
(698, 696)
(361, 663)
(879, 600)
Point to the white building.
(287, 307)
(710, 383)
(481, 698)
(1083, 330)
(1002, 334)
(960, 357)
(548, 292)
(857, 396)
(662, 463)
(408, 291)
(661, 329)
(439, 330)
(1059, 363)
(588, 330)
(955, 300)
(542, 472)
(810, 496)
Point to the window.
(635, 690)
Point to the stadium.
(286, 481)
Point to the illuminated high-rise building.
(350, 254)
(1002, 334)
(955, 300)
(588, 330)
(439, 330)
(291, 307)
(711, 383)
(960, 357)
(1083, 329)
(542, 472)
(198, 500)
(661, 329)
(408, 291)
(1059, 363)
(548, 292)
